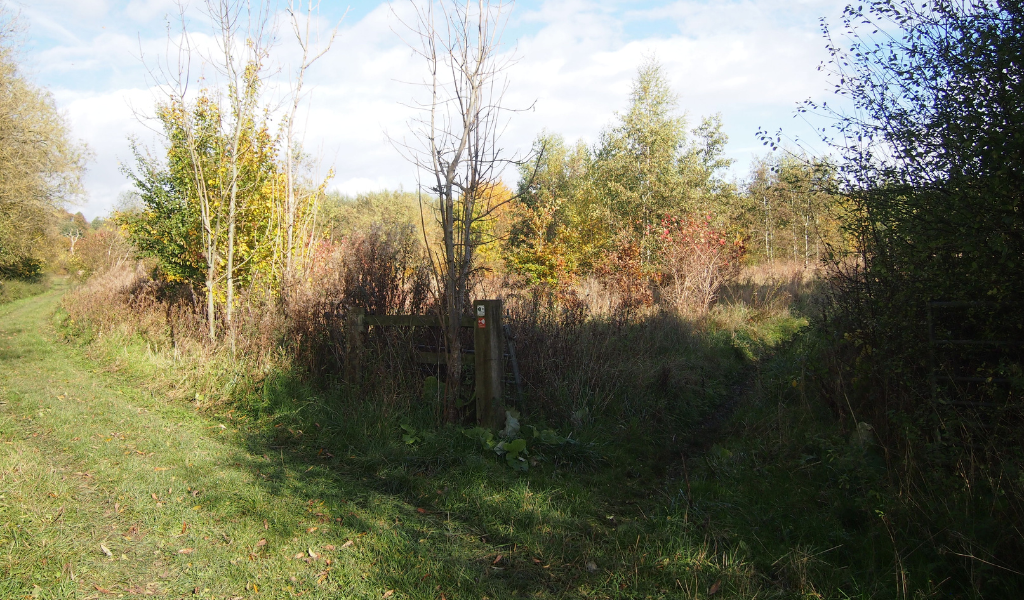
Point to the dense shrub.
(697, 260)
(25, 268)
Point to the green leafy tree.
(649, 165)
(932, 159)
(563, 224)
(172, 224)
(169, 226)
(638, 159)
(791, 209)
(581, 204)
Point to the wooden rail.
(410, 321)
(935, 343)
(488, 355)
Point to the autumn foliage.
(697, 260)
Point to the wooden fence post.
(489, 359)
(354, 326)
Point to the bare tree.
(301, 21)
(455, 143)
(73, 234)
(173, 75)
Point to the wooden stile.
(489, 352)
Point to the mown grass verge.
(603, 517)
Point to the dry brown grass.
(773, 286)
(582, 348)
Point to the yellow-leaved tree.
(40, 165)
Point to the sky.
(752, 61)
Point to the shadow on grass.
(781, 501)
(596, 516)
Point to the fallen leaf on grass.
(347, 544)
(312, 554)
(715, 588)
(497, 560)
(328, 547)
(103, 590)
(154, 496)
(388, 593)
(262, 542)
(184, 526)
(311, 530)
(422, 511)
(106, 550)
(185, 551)
(161, 468)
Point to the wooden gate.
(492, 347)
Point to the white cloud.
(105, 122)
(145, 11)
(70, 11)
(751, 60)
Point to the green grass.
(90, 459)
(779, 504)
(87, 461)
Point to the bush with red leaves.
(698, 258)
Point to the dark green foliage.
(166, 228)
(932, 165)
(26, 268)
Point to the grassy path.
(110, 489)
(108, 492)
